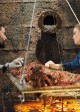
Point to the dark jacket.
(73, 65)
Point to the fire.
(65, 105)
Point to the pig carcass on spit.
(40, 76)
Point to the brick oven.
(51, 31)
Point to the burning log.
(57, 105)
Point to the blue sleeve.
(73, 65)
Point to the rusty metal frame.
(56, 91)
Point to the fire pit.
(57, 105)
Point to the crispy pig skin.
(41, 76)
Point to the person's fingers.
(17, 66)
(48, 63)
(19, 60)
(52, 65)
(51, 62)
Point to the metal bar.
(54, 90)
(73, 11)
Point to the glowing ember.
(55, 106)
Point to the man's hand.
(49, 63)
(52, 65)
(16, 63)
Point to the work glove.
(49, 63)
(52, 65)
(16, 63)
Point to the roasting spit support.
(56, 91)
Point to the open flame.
(65, 105)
